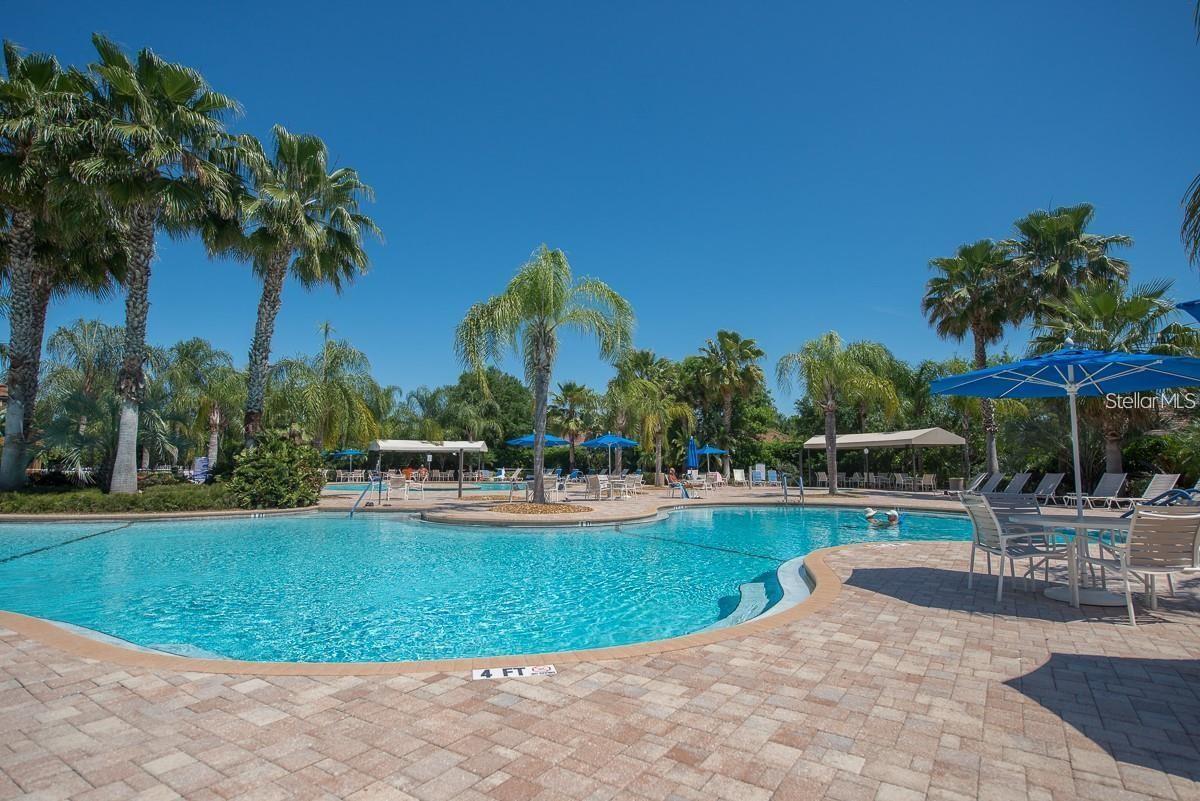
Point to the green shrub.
(159, 480)
(278, 473)
(175, 498)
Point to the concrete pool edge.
(137, 517)
(826, 589)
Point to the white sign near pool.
(528, 671)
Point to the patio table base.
(1088, 596)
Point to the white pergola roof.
(917, 438)
(428, 446)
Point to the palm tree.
(156, 162)
(55, 242)
(572, 409)
(1107, 315)
(301, 218)
(834, 375)
(655, 404)
(541, 300)
(975, 292)
(732, 370)
(1057, 252)
(205, 387)
(327, 393)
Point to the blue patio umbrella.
(351, 453)
(1192, 307)
(527, 441)
(609, 441)
(707, 451)
(1074, 372)
(693, 456)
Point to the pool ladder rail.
(376, 483)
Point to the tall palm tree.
(975, 292)
(572, 408)
(55, 237)
(205, 387)
(732, 371)
(540, 301)
(156, 162)
(1107, 315)
(833, 375)
(298, 217)
(1057, 252)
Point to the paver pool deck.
(906, 686)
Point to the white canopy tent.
(916, 438)
(431, 446)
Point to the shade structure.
(1074, 372)
(916, 438)
(609, 441)
(527, 441)
(693, 456)
(432, 446)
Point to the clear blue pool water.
(379, 588)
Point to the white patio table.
(1078, 528)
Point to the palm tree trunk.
(214, 436)
(260, 346)
(22, 360)
(727, 418)
(658, 448)
(831, 446)
(1112, 452)
(131, 378)
(145, 458)
(989, 409)
(541, 396)
(571, 460)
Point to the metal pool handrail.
(361, 495)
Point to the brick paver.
(908, 686)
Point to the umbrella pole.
(1075, 451)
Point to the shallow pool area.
(380, 587)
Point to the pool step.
(793, 580)
(752, 602)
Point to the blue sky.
(780, 169)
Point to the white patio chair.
(1162, 540)
(1011, 543)
(739, 477)
(822, 478)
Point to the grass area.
(168, 498)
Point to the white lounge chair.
(1160, 483)
(1017, 483)
(1107, 488)
(1044, 492)
(739, 477)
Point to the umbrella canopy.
(608, 441)
(1072, 372)
(710, 450)
(349, 454)
(1192, 307)
(527, 441)
(693, 456)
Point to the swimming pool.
(385, 588)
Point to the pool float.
(880, 519)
